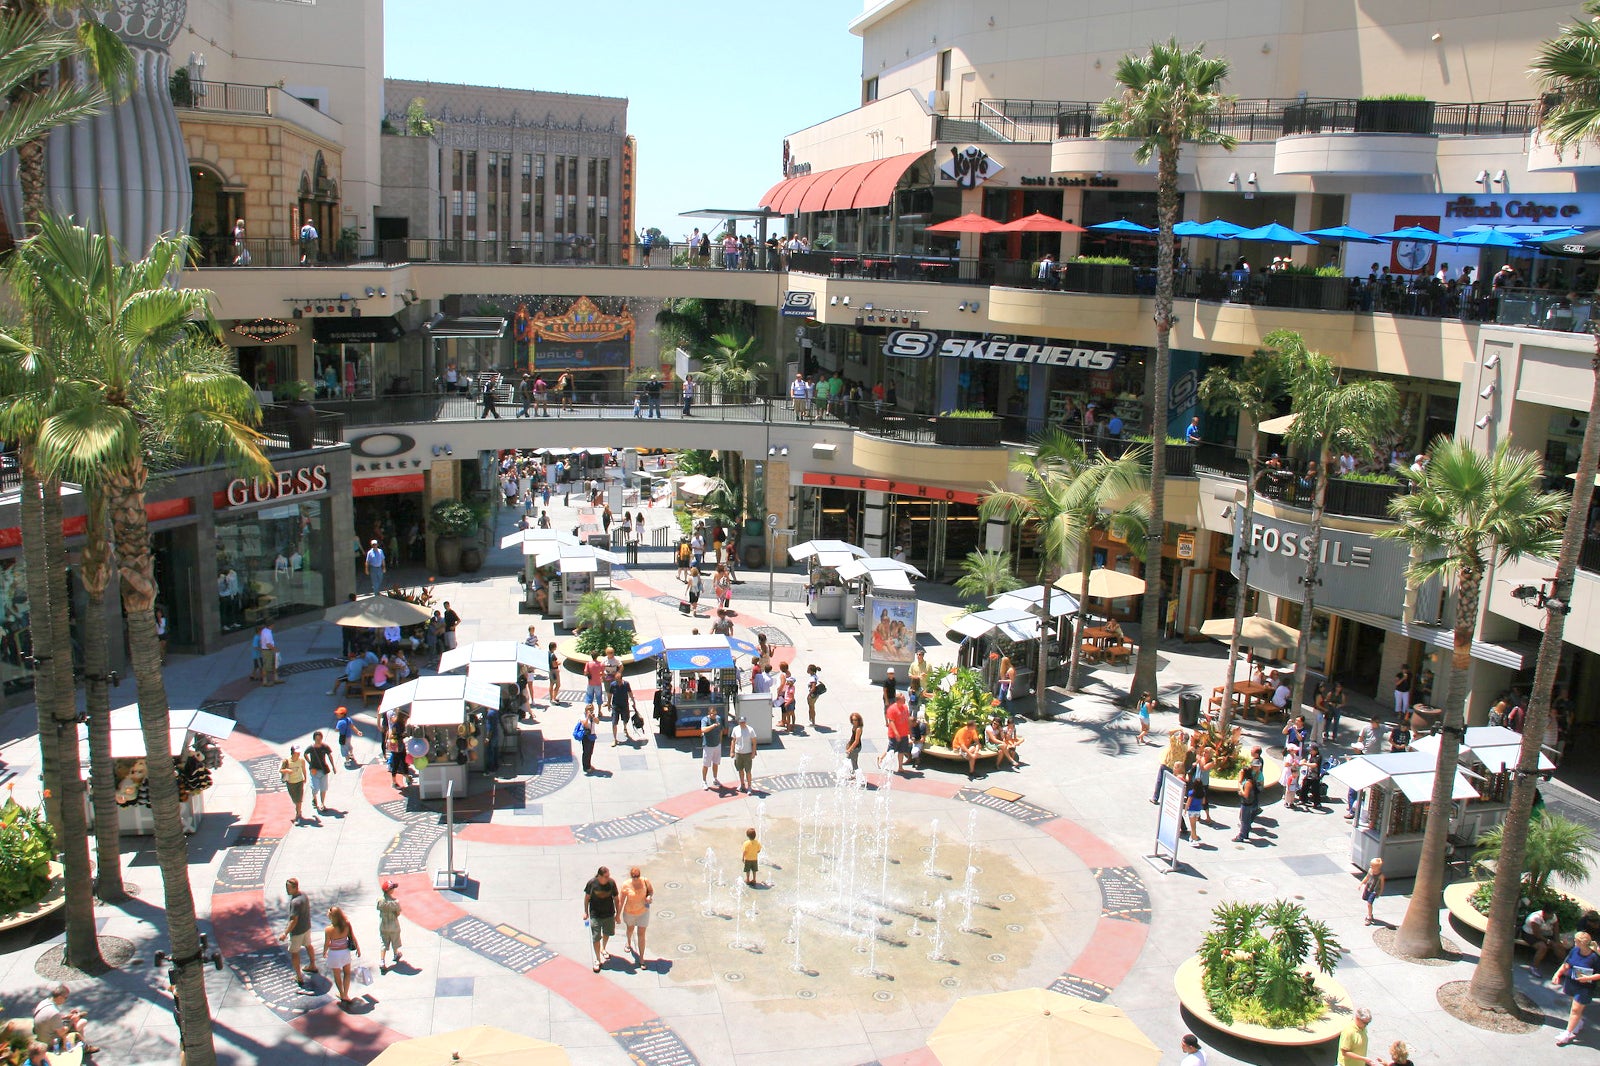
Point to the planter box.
(968, 432)
(1395, 116)
(1360, 499)
(1107, 278)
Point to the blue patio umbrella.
(1345, 234)
(1121, 225)
(1217, 229)
(1274, 233)
(1413, 233)
(1485, 238)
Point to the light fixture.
(383, 292)
(974, 307)
(370, 292)
(341, 309)
(355, 312)
(344, 297)
(783, 450)
(1489, 390)
(1500, 177)
(1227, 512)
(1492, 362)
(833, 302)
(962, 306)
(1482, 178)
(1436, 38)
(1251, 180)
(847, 301)
(991, 20)
(867, 306)
(1531, 596)
(1482, 423)
(1266, 49)
(773, 450)
(1233, 178)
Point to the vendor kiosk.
(449, 715)
(828, 599)
(1490, 754)
(1393, 793)
(192, 734)
(696, 672)
(561, 568)
(504, 664)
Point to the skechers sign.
(922, 343)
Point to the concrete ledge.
(1340, 1012)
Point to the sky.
(713, 86)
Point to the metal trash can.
(1189, 710)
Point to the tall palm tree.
(1067, 495)
(147, 380)
(1568, 71)
(1332, 415)
(1168, 97)
(1466, 512)
(1252, 389)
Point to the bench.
(1122, 651)
(948, 754)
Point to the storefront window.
(272, 563)
(344, 371)
(15, 643)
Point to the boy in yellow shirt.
(752, 852)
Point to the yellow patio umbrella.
(1103, 584)
(376, 612)
(1256, 632)
(481, 1045)
(1037, 1027)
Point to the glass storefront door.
(273, 562)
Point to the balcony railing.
(328, 250)
(1346, 497)
(1269, 119)
(225, 96)
(1543, 309)
(288, 428)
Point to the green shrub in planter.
(603, 622)
(27, 842)
(1253, 964)
(1557, 846)
(952, 696)
(452, 518)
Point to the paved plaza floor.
(878, 903)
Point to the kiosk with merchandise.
(1391, 807)
(558, 569)
(446, 729)
(828, 599)
(696, 672)
(506, 664)
(1489, 753)
(192, 734)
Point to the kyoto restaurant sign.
(921, 343)
(282, 485)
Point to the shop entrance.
(935, 535)
(1357, 654)
(177, 564)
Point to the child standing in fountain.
(752, 855)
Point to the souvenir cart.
(194, 751)
(1392, 796)
(1490, 754)
(558, 570)
(824, 557)
(449, 716)
(696, 672)
(502, 663)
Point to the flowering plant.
(27, 841)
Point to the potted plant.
(968, 429)
(451, 520)
(1395, 113)
(1112, 274)
(603, 622)
(1265, 973)
(27, 841)
(472, 539)
(294, 398)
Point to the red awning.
(869, 184)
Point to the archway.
(216, 206)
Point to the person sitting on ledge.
(965, 743)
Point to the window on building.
(869, 90)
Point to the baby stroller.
(1313, 791)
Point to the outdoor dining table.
(1254, 697)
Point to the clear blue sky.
(713, 86)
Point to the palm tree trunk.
(1419, 929)
(1144, 674)
(96, 575)
(1491, 978)
(1225, 717)
(136, 568)
(1085, 558)
(83, 938)
(1308, 598)
(1041, 681)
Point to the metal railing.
(1347, 497)
(225, 96)
(1544, 309)
(1269, 119)
(329, 250)
(291, 428)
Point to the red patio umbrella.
(967, 224)
(1039, 222)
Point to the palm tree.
(1568, 69)
(31, 48)
(1466, 512)
(1068, 494)
(985, 575)
(1553, 847)
(1252, 390)
(147, 381)
(730, 366)
(1331, 414)
(1169, 96)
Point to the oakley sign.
(922, 343)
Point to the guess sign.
(282, 485)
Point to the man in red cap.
(388, 925)
(346, 730)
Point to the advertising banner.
(891, 630)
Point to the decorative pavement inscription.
(265, 974)
(775, 636)
(408, 852)
(654, 1044)
(1026, 813)
(1073, 985)
(645, 821)
(785, 782)
(1122, 894)
(557, 769)
(263, 771)
(244, 864)
(306, 666)
(226, 708)
(503, 944)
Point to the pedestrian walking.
(490, 407)
(585, 733)
(388, 925)
(600, 913)
(553, 662)
(751, 853)
(308, 241)
(711, 750)
(623, 709)
(269, 656)
(1189, 1047)
(1249, 805)
(636, 896)
(1576, 978)
(320, 763)
(394, 748)
(744, 754)
(375, 562)
(1146, 703)
(292, 770)
(1372, 887)
(297, 931)
(347, 730)
(340, 948)
(1353, 1042)
(688, 397)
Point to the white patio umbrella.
(1031, 598)
(1256, 632)
(872, 567)
(1494, 746)
(1277, 427)
(1104, 584)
